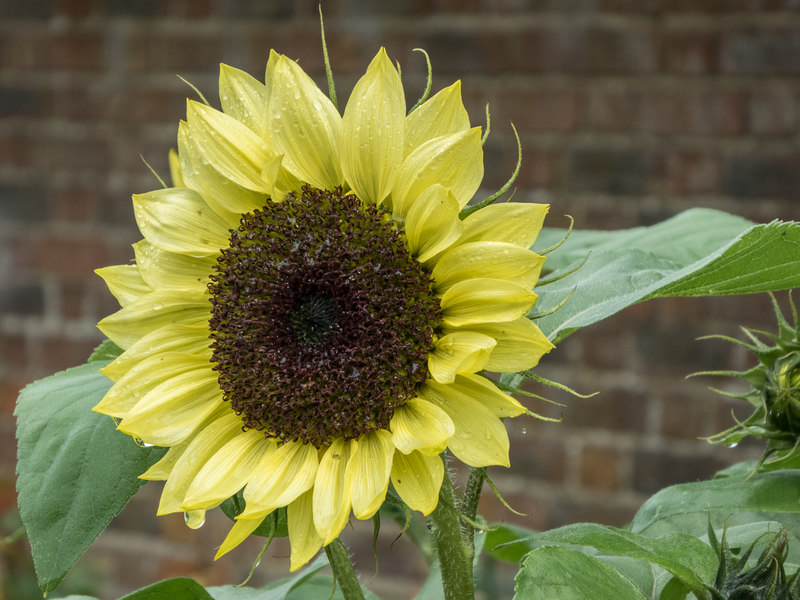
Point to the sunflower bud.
(775, 390)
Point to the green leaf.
(75, 471)
(559, 573)
(700, 252)
(684, 556)
(179, 588)
(106, 351)
(508, 542)
(725, 501)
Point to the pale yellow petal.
(453, 161)
(432, 223)
(520, 344)
(143, 377)
(442, 114)
(186, 339)
(124, 282)
(331, 505)
(304, 126)
(227, 159)
(461, 352)
(227, 471)
(513, 222)
(487, 393)
(214, 434)
(161, 469)
(154, 311)
(418, 424)
(173, 410)
(179, 220)
(241, 530)
(168, 270)
(371, 143)
(480, 438)
(485, 300)
(244, 98)
(497, 260)
(175, 173)
(303, 537)
(417, 478)
(369, 470)
(280, 477)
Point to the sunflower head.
(311, 314)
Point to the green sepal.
(275, 524)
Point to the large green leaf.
(75, 471)
(726, 501)
(559, 573)
(682, 555)
(179, 588)
(700, 252)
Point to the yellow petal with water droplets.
(124, 282)
(371, 143)
(453, 161)
(303, 537)
(244, 98)
(154, 311)
(480, 438)
(417, 478)
(485, 300)
(172, 410)
(462, 352)
(418, 424)
(442, 114)
(432, 223)
(186, 339)
(168, 270)
(241, 530)
(520, 344)
(368, 472)
(513, 222)
(487, 393)
(303, 126)
(179, 220)
(227, 471)
(228, 186)
(215, 433)
(497, 260)
(140, 380)
(280, 477)
(331, 505)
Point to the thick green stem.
(455, 557)
(343, 570)
(469, 502)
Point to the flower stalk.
(453, 551)
(343, 570)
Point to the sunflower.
(308, 318)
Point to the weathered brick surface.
(628, 111)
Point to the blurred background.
(629, 112)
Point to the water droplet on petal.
(158, 306)
(141, 443)
(524, 430)
(194, 518)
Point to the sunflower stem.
(453, 551)
(343, 570)
(469, 502)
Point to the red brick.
(541, 168)
(149, 105)
(15, 149)
(67, 256)
(538, 457)
(10, 387)
(691, 52)
(75, 50)
(599, 468)
(772, 112)
(75, 204)
(76, 9)
(673, 111)
(541, 109)
(51, 354)
(692, 171)
(612, 108)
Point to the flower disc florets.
(322, 322)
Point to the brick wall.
(629, 111)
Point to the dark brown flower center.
(321, 320)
